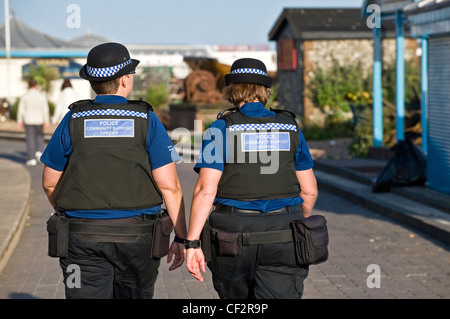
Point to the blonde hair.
(237, 93)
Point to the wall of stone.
(292, 91)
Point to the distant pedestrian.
(66, 97)
(33, 115)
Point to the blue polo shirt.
(158, 145)
(214, 154)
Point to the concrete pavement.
(410, 246)
(14, 197)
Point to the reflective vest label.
(257, 142)
(109, 128)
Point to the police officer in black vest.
(108, 168)
(255, 169)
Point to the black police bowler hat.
(248, 70)
(108, 61)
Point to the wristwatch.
(179, 240)
(192, 243)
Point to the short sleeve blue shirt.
(214, 154)
(158, 145)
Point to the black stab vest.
(261, 163)
(109, 168)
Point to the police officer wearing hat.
(255, 169)
(108, 168)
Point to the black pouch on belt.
(161, 235)
(310, 240)
(205, 238)
(228, 244)
(58, 236)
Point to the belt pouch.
(205, 238)
(310, 240)
(161, 235)
(58, 236)
(228, 244)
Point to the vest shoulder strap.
(284, 111)
(141, 102)
(226, 112)
(88, 102)
(80, 103)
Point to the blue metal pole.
(377, 89)
(424, 87)
(400, 78)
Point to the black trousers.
(34, 137)
(264, 271)
(110, 267)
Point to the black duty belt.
(267, 237)
(112, 227)
(248, 238)
(231, 210)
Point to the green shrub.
(336, 88)
(157, 95)
(341, 88)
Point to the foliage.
(363, 134)
(334, 91)
(272, 103)
(331, 130)
(336, 88)
(363, 130)
(341, 88)
(412, 84)
(43, 75)
(157, 95)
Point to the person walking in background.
(66, 97)
(33, 116)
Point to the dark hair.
(32, 83)
(245, 92)
(66, 84)
(109, 87)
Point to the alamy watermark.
(374, 279)
(74, 279)
(73, 20)
(374, 19)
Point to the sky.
(163, 21)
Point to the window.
(287, 53)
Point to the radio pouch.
(310, 240)
(227, 243)
(58, 236)
(162, 229)
(205, 238)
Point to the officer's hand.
(176, 249)
(195, 261)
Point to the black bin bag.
(407, 167)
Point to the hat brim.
(127, 69)
(249, 78)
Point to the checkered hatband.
(248, 70)
(106, 72)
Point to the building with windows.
(306, 38)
